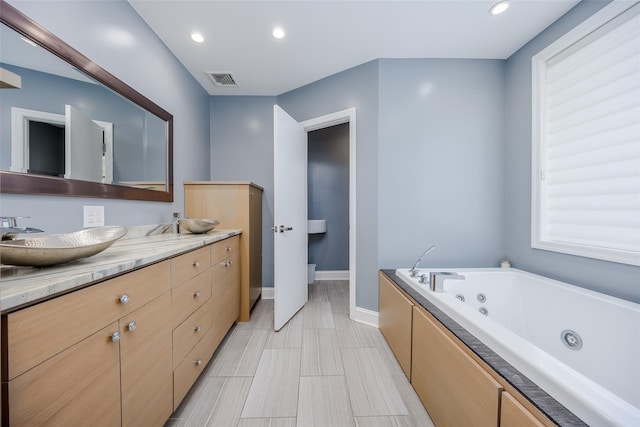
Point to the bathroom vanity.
(119, 338)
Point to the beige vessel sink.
(40, 251)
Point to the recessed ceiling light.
(499, 7)
(278, 33)
(197, 37)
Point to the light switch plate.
(93, 216)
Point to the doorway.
(341, 117)
(328, 202)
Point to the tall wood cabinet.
(235, 205)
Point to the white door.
(290, 216)
(84, 147)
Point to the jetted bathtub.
(580, 346)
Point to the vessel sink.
(198, 226)
(45, 250)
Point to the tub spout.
(437, 278)
(414, 269)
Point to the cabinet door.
(77, 387)
(146, 366)
(38, 332)
(255, 251)
(454, 389)
(233, 289)
(513, 414)
(394, 319)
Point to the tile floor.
(322, 369)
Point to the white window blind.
(586, 147)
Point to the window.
(586, 139)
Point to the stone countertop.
(21, 286)
(553, 409)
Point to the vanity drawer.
(189, 332)
(188, 297)
(36, 333)
(223, 249)
(186, 266)
(191, 367)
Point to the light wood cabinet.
(395, 321)
(453, 388)
(235, 205)
(92, 357)
(124, 351)
(79, 386)
(454, 384)
(145, 364)
(514, 414)
(204, 307)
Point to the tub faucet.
(414, 269)
(9, 227)
(437, 279)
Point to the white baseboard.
(368, 317)
(332, 275)
(362, 315)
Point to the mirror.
(68, 127)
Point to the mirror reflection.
(56, 121)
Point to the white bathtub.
(524, 324)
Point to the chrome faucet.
(437, 278)
(9, 227)
(414, 269)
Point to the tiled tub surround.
(145, 245)
(515, 360)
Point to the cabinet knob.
(196, 294)
(198, 362)
(124, 298)
(196, 263)
(115, 337)
(228, 248)
(132, 325)
(197, 328)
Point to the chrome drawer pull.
(132, 325)
(124, 298)
(196, 264)
(196, 294)
(198, 362)
(197, 328)
(228, 248)
(115, 337)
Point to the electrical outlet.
(93, 216)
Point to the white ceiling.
(326, 37)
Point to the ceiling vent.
(223, 79)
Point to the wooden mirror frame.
(22, 183)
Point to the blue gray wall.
(608, 277)
(144, 63)
(328, 196)
(440, 171)
(242, 150)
